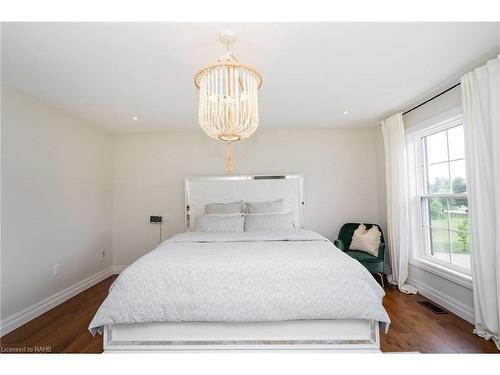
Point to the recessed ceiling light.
(135, 118)
(346, 112)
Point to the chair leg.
(381, 279)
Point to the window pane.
(437, 213)
(460, 255)
(456, 142)
(440, 244)
(438, 178)
(436, 148)
(457, 171)
(459, 217)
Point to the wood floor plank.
(414, 328)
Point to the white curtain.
(481, 106)
(396, 178)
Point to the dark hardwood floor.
(414, 328)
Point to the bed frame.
(332, 335)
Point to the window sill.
(444, 272)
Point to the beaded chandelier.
(228, 108)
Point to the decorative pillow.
(269, 222)
(265, 207)
(366, 240)
(221, 223)
(225, 208)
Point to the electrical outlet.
(166, 218)
(56, 269)
(104, 253)
(155, 219)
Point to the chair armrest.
(381, 251)
(339, 243)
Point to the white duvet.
(242, 277)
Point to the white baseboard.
(22, 317)
(462, 310)
(118, 269)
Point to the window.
(438, 196)
(445, 218)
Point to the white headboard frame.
(200, 190)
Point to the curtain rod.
(434, 97)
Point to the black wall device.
(155, 219)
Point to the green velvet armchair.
(373, 264)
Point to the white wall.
(56, 202)
(453, 296)
(339, 166)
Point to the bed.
(289, 289)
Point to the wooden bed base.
(331, 335)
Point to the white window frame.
(418, 256)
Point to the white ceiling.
(106, 73)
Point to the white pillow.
(221, 223)
(224, 208)
(269, 222)
(265, 207)
(366, 240)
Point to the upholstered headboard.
(200, 190)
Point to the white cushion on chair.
(366, 240)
